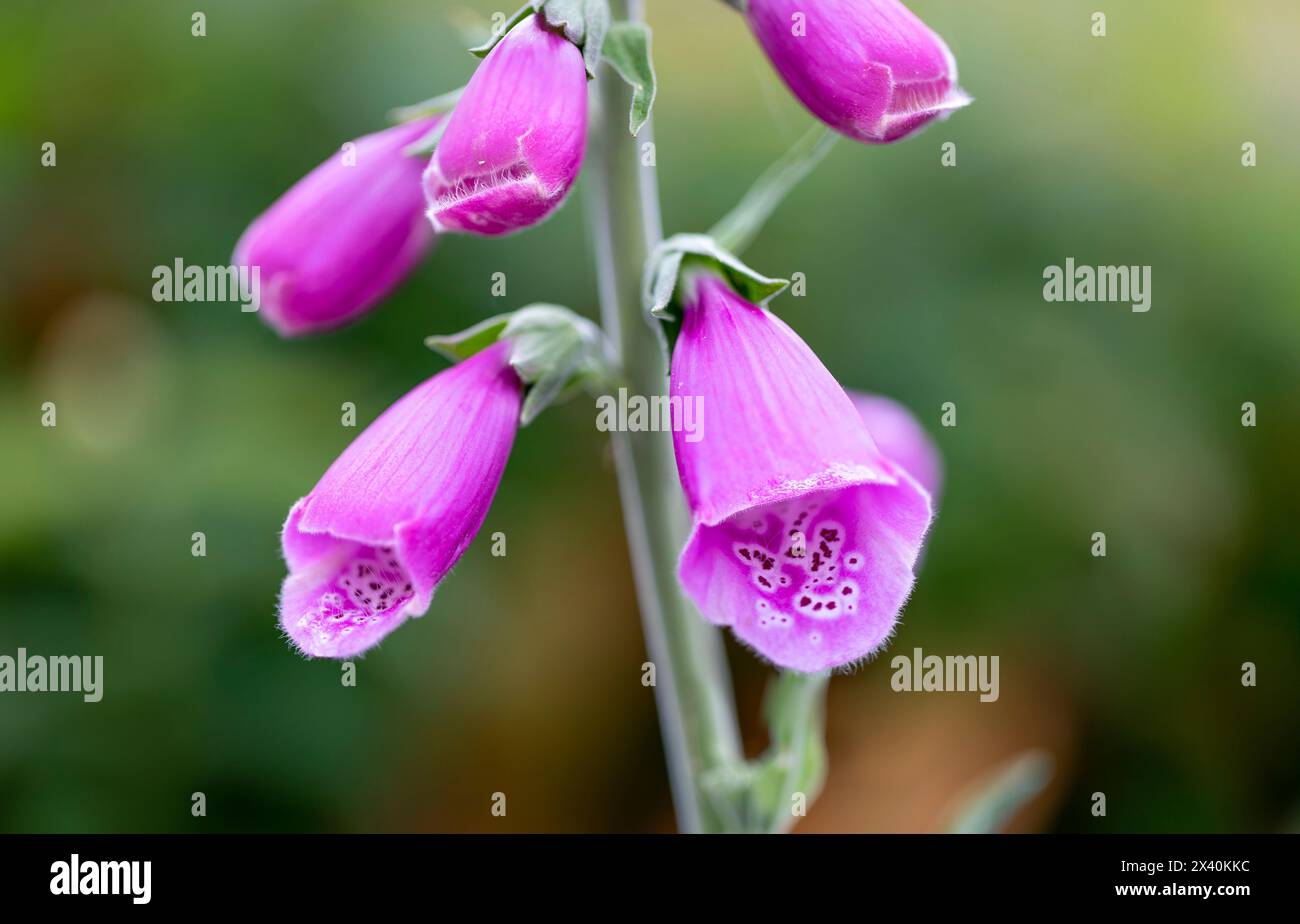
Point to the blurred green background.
(924, 283)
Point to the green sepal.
(796, 758)
(663, 271)
(757, 796)
(627, 51)
(553, 351)
(566, 17)
(519, 15)
(583, 22)
(471, 340)
(596, 13)
(999, 797)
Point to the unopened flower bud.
(515, 142)
(869, 69)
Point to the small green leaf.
(583, 22)
(998, 798)
(469, 341)
(741, 225)
(596, 12)
(627, 50)
(796, 758)
(758, 796)
(519, 15)
(553, 350)
(663, 271)
(660, 281)
(566, 16)
(554, 369)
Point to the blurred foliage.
(924, 283)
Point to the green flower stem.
(692, 684)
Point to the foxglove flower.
(372, 540)
(515, 142)
(901, 439)
(804, 535)
(869, 69)
(343, 236)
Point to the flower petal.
(828, 603)
(342, 237)
(399, 507)
(805, 536)
(516, 139)
(775, 423)
(868, 68)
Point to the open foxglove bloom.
(901, 439)
(804, 535)
(397, 509)
(515, 142)
(343, 236)
(869, 69)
